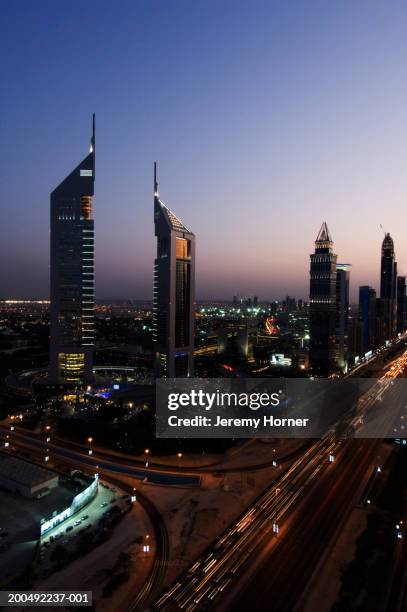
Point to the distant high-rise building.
(255, 301)
(72, 274)
(174, 289)
(235, 301)
(342, 313)
(381, 321)
(355, 339)
(289, 304)
(322, 305)
(401, 304)
(233, 339)
(367, 314)
(388, 275)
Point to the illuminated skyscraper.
(368, 316)
(401, 304)
(322, 306)
(174, 290)
(72, 274)
(342, 314)
(388, 276)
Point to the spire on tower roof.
(93, 137)
(324, 235)
(155, 180)
(171, 218)
(93, 143)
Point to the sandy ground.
(195, 518)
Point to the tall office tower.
(322, 305)
(255, 301)
(235, 301)
(388, 275)
(401, 304)
(381, 321)
(367, 314)
(355, 341)
(289, 304)
(72, 274)
(342, 314)
(174, 290)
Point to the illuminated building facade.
(401, 304)
(368, 316)
(174, 290)
(388, 287)
(322, 307)
(72, 274)
(342, 314)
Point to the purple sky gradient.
(265, 118)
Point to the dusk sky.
(266, 118)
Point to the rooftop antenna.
(93, 142)
(155, 180)
(382, 228)
(93, 139)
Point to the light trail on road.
(215, 571)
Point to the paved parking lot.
(67, 534)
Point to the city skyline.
(203, 341)
(293, 137)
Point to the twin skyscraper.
(73, 286)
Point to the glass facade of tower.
(368, 316)
(401, 304)
(174, 286)
(342, 314)
(72, 275)
(388, 287)
(323, 351)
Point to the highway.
(309, 530)
(306, 505)
(154, 476)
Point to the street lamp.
(146, 453)
(90, 440)
(179, 459)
